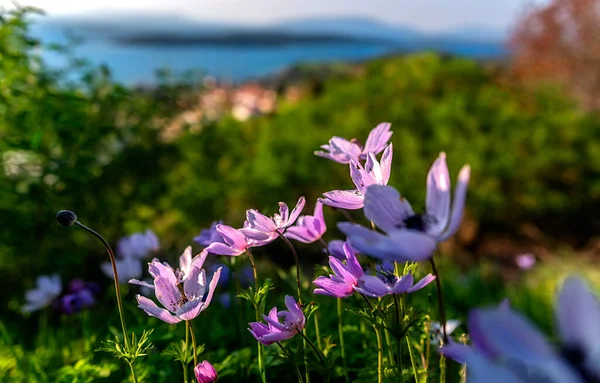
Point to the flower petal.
(327, 286)
(296, 211)
(378, 138)
(190, 309)
(158, 269)
(231, 236)
(153, 310)
(403, 284)
(167, 293)
(193, 287)
(223, 249)
(385, 207)
(458, 203)
(259, 221)
(343, 199)
(185, 261)
(422, 283)
(372, 286)
(300, 234)
(438, 196)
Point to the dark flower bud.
(66, 217)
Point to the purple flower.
(205, 372)
(343, 151)
(274, 330)
(80, 296)
(47, 289)
(257, 224)
(410, 236)
(345, 278)
(336, 248)
(525, 261)
(373, 286)
(128, 268)
(436, 332)
(138, 245)
(210, 235)
(309, 228)
(235, 241)
(181, 291)
(507, 344)
(373, 173)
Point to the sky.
(425, 15)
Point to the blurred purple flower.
(410, 236)
(274, 330)
(343, 151)
(507, 344)
(436, 333)
(181, 291)
(47, 289)
(374, 286)
(336, 249)
(345, 278)
(210, 235)
(128, 268)
(257, 224)
(525, 261)
(373, 173)
(205, 372)
(138, 245)
(308, 228)
(235, 241)
(80, 296)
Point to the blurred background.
(169, 115)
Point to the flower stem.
(397, 305)
(298, 374)
(183, 363)
(341, 334)
(379, 355)
(133, 376)
(111, 254)
(412, 359)
(315, 349)
(442, 369)
(317, 331)
(193, 342)
(442, 311)
(287, 241)
(261, 354)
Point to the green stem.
(287, 241)
(441, 309)
(298, 374)
(184, 364)
(341, 335)
(442, 369)
(399, 306)
(133, 375)
(317, 331)
(412, 359)
(379, 355)
(113, 263)
(193, 343)
(316, 350)
(261, 355)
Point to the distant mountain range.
(177, 30)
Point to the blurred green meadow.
(72, 138)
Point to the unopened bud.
(66, 217)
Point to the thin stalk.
(317, 332)
(193, 342)
(298, 374)
(133, 376)
(325, 247)
(388, 344)
(341, 335)
(315, 349)
(441, 309)
(183, 363)
(113, 263)
(412, 360)
(261, 355)
(442, 369)
(379, 355)
(287, 241)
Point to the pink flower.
(205, 372)
(234, 242)
(373, 173)
(343, 151)
(274, 330)
(345, 278)
(257, 224)
(308, 228)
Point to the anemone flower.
(507, 345)
(181, 291)
(308, 228)
(336, 248)
(138, 245)
(274, 330)
(373, 173)
(345, 278)
(210, 235)
(258, 224)
(234, 241)
(80, 295)
(374, 286)
(205, 372)
(409, 236)
(47, 289)
(343, 151)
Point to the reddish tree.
(560, 42)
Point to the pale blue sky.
(426, 15)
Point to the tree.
(560, 41)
